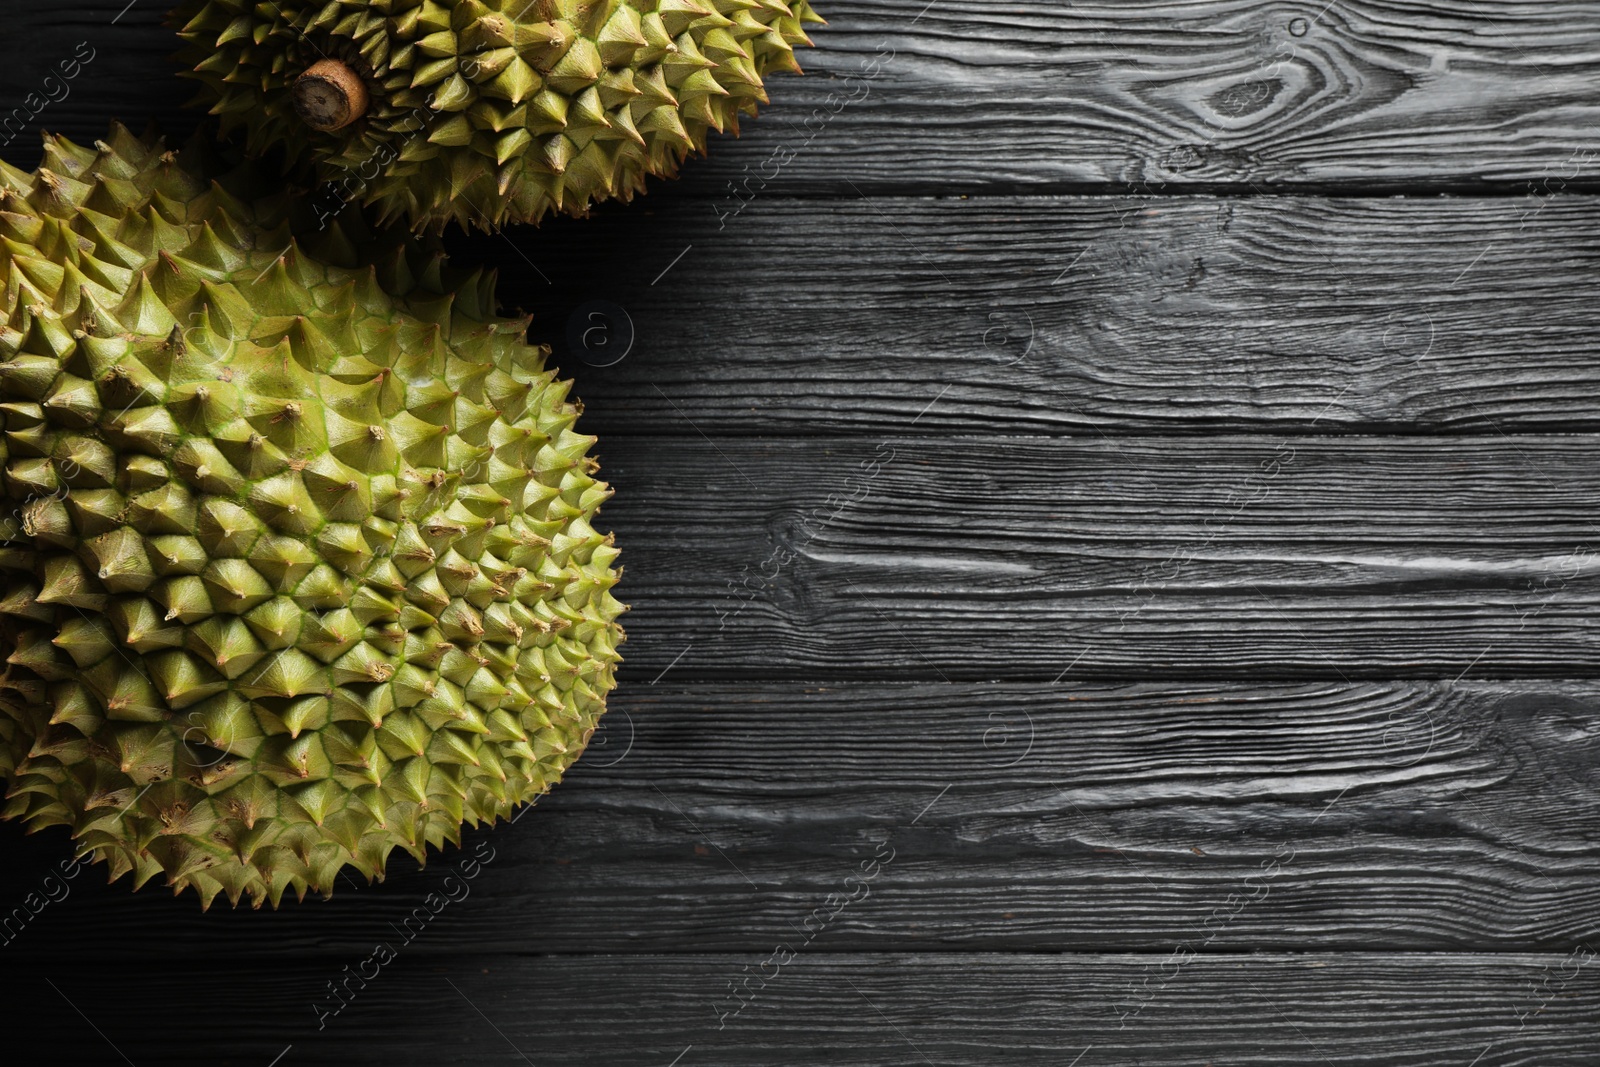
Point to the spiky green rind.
(492, 111)
(297, 557)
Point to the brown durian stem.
(329, 96)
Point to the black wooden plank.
(72, 68)
(974, 96)
(1423, 815)
(1021, 818)
(973, 558)
(970, 95)
(1088, 315)
(1065, 1011)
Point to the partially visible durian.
(296, 558)
(487, 111)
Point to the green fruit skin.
(485, 112)
(297, 556)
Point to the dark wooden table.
(1110, 514)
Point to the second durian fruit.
(487, 111)
(296, 550)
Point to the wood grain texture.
(968, 97)
(1508, 1010)
(1161, 94)
(1131, 645)
(971, 558)
(1227, 818)
(1084, 315)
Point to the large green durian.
(487, 111)
(296, 546)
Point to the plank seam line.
(1297, 430)
(1419, 189)
(1284, 955)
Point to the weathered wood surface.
(1087, 315)
(961, 97)
(1377, 1010)
(1329, 700)
(1026, 818)
(971, 559)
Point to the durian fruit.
(296, 564)
(487, 111)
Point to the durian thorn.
(329, 96)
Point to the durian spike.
(297, 532)
(485, 112)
